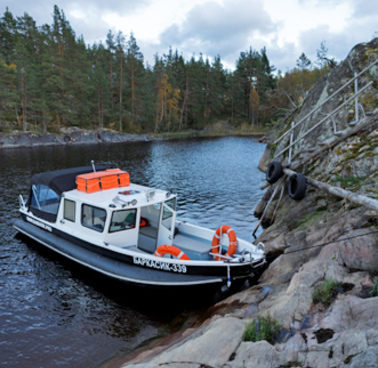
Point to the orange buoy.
(172, 250)
(216, 249)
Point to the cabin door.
(167, 224)
(148, 235)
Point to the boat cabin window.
(45, 199)
(172, 203)
(93, 217)
(69, 210)
(168, 211)
(123, 220)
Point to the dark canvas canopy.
(63, 180)
(59, 181)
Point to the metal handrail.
(324, 119)
(325, 101)
(293, 125)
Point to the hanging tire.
(297, 186)
(273, 172)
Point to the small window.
(93, 217)
(123, 220)
(172, 203)
(69, 210)
(167, 217)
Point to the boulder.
(211, 345)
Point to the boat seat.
(149, 231)
(194, 247)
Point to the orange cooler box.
(101, 180)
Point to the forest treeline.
(50, 79)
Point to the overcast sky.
(218, 27)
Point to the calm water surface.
(52, 313)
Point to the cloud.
(87, 18)
(219, 29)
(36, 8)
(358, 26)
(283, 58)
(363, 8)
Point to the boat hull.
(137, 268)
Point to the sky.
(286, 28)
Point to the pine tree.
(99, 79)
(216, 89)
(135, 77)
(111, 48)
(8, 91)
(196, 91)
(246, 73)
(303, 62)
(177, 71)
(8, 36)
(120, 57)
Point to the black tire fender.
(273, 172)
(297, 186)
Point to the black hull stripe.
(151, 277)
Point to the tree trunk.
(99, 108)
(120, 99)
(339, 192)
(24, 101)
(181, 120)
(132, 87)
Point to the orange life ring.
(172, 250)
(216, 249)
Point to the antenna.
(93, 165)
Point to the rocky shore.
(311, 242)
(69, 136)
(77, 136)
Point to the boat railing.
(21, 202)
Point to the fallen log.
(339, 192)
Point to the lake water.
(52, 313)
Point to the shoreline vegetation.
(52, 80)
(76, 136)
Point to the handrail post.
(356, 99)
(291, 140)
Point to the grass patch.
(349, 358)
(374, 290)
(325, 292)
(292, 363)
(311, 217)
(265, 328)
(353, 182)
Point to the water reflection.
(52, 313)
